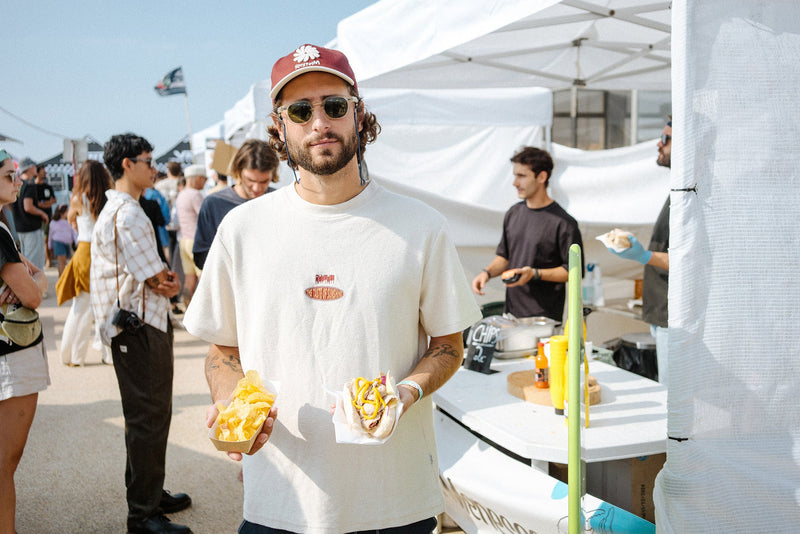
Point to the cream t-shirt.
(314, 296)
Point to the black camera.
(127, 320)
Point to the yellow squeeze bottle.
(558, 362)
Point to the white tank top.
(85, 221)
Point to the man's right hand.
(479, 282)
(635, 252)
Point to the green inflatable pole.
(575, 340)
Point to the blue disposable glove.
(635, 252)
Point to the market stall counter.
(627, 428)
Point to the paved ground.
(71, 478)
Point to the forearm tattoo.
(445, 349)
(219, 361)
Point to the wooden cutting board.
(522, 385)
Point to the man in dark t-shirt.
(45, 194)
(656, 266)
(537, 234)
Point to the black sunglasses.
(665, 139)
(146, 161)
(335, 108)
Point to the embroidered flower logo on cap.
(305, 53)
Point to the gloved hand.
(635, 252)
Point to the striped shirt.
(138, 259)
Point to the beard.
(327, 162)
(664, 160)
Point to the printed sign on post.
(480, 347)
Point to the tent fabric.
(620, 187)
(733, 464)
(202, 144)
(496, 106)
(181, 151)
(602, 44)
(254, 107)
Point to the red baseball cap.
(310, 58)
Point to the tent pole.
(634, 116)
(573, 113)
(575, 345)
(188, 123)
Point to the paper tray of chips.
(232, 446)
(243, 446)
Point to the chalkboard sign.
(480, 347)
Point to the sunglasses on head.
(335, 108)
(665, 139)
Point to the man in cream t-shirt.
(328, 279)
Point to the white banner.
(488, 492)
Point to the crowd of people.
(355, 281)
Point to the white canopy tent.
(200, 143)
(451, 148)
(491, 47)
(605, 44)
(247, 118)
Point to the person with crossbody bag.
(23, 361)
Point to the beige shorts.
(24, 372)
(187, 260)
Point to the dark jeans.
(426, 526)
(143, 363)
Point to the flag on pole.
(171, 83)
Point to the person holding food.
(23, 361)
(130, 292)
(328, 283)
(655, 259)
(533, 254)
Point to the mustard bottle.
(558, 362)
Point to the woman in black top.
(23, 369)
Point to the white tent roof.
(254, 107)
(605, 44)
(514, 106)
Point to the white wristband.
(413, 385)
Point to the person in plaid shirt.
(131, 288)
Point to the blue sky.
(89, 67)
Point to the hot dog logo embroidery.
(323, 288)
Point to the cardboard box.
(223, 155)
(627, 483)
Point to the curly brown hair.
(369, 127)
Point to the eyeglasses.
(146, 161)
(335, 108)
(665, 139)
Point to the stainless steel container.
(527, 335)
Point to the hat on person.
(310, 58)
(195, 170)
(26, 164)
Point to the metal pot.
(527, 335)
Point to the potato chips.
(247, 411)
